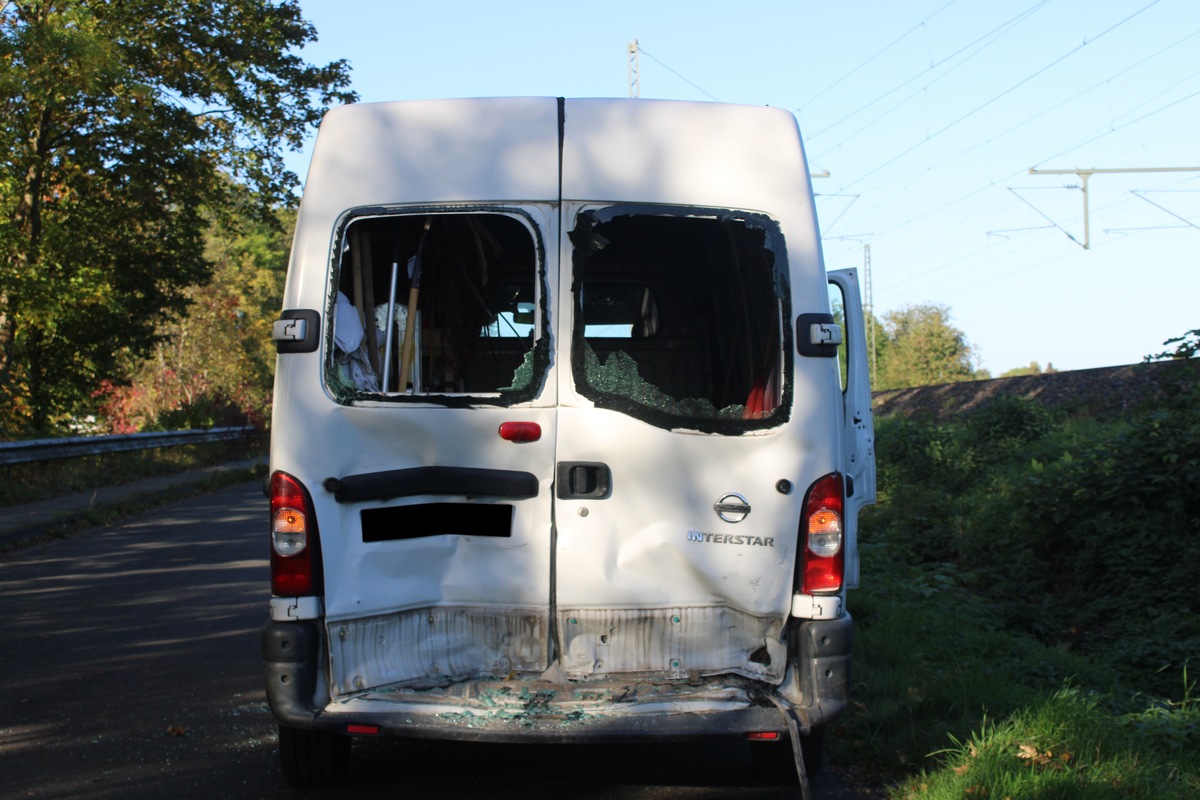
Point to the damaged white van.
(571, 431)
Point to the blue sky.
(927, 114)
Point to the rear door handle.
(583, 480)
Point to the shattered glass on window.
(678, 316)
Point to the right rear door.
(675, 513)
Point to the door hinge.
(818, 335)
(296, 331)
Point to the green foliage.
(1015, 551)
(126, 128)
(1186, 346)
(214, 366)
(923, 348)
(1034, 368)
(1084, 534)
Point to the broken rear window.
(438, 306)
(678, 316)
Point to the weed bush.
(1012, 553)
(1084, 534)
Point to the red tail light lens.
(293, 538)
(823, 534)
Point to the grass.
(1068, 746)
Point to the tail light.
(294, 556)
(823, 535)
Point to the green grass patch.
(1070, 746)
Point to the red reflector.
(763, 736)
(520, 431)
(363, 730)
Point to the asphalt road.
(129, 668)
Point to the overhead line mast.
(635, 86)
(1084, 174)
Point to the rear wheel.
(775, 763)
(313, 758)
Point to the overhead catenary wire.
(980, 189)
(1160, 206)
(877, 54)
(1137, 64)
(1036, 241)
(1037, 115)
(994, 99)
(995, 34)
(647, 54)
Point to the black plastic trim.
(823, 660)
(289, 652)
(467, 481)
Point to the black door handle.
(583, 479)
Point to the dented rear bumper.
(517, 709)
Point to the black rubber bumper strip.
(433, 480)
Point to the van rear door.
(436, 532)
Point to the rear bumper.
(537, 710)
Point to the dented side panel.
(433, 645)
(680, 642)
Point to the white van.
(571, 432)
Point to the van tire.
(774, 762)
(312, 757)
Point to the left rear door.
(436, 527)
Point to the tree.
(1034, 368)
(214, 366)
(128, 126)
(1187, 347)
(923, 348)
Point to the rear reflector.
(763, 736)
(520, 431)
(363, 730)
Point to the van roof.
(507, 150)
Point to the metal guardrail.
(75, 446)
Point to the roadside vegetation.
(132, 134)
(1029, 619)
(42, 480)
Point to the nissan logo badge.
(732, 508)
